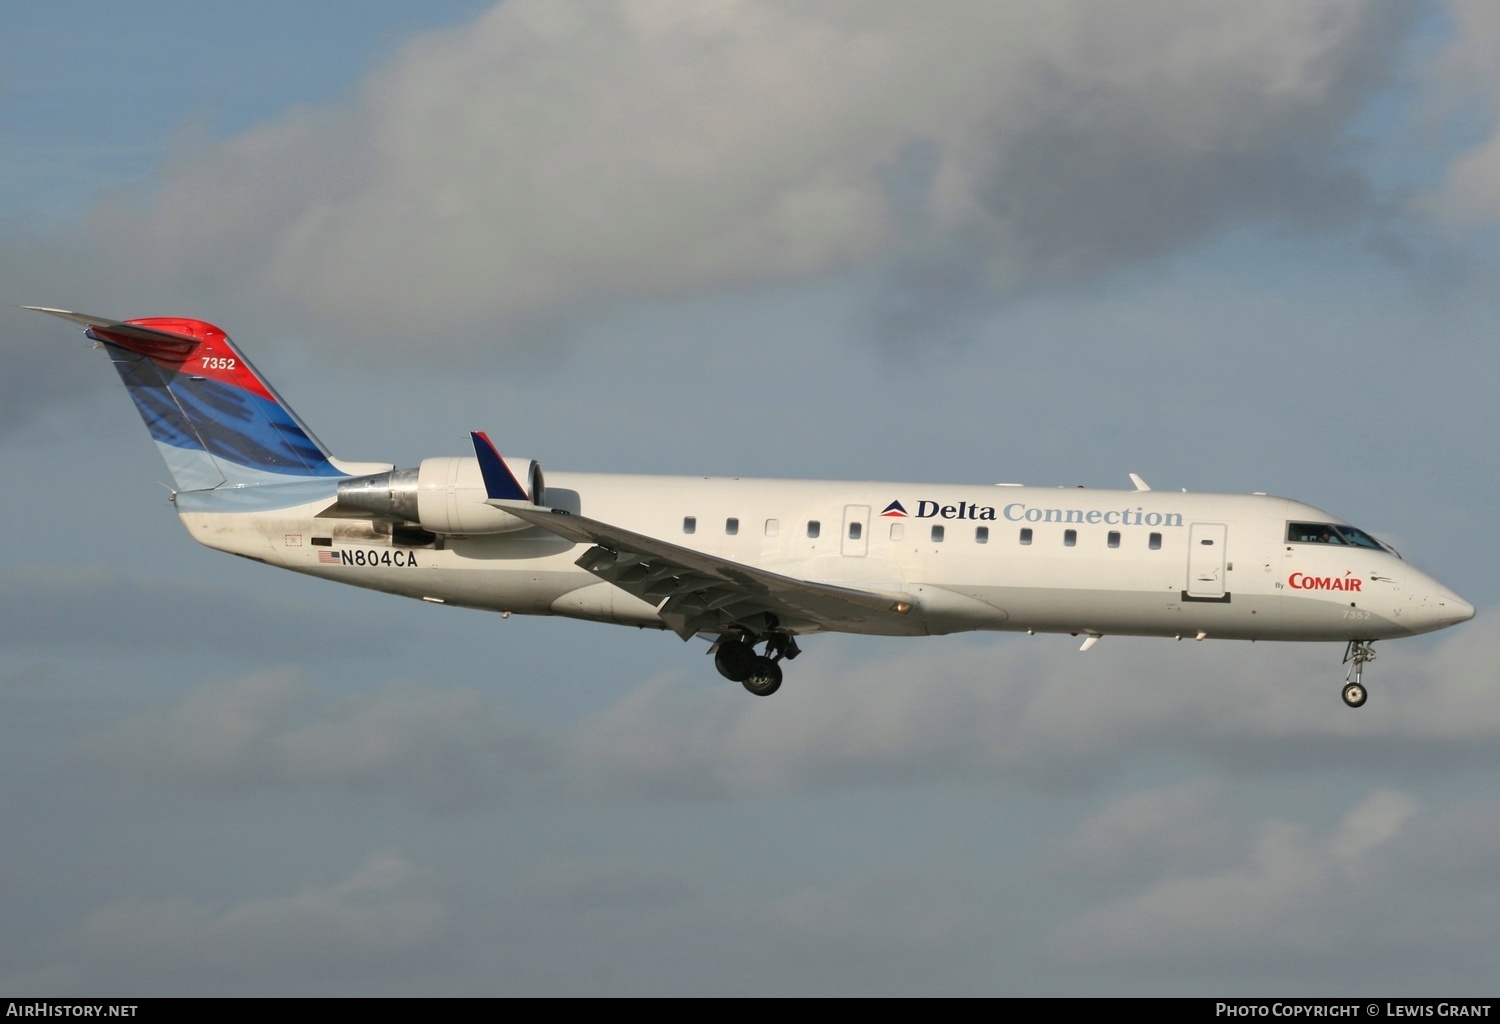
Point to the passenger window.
(1114, 538)
(1070, 538)
(855, 530)
(937, 534)
(898, 531)
(814, 528)
(1156, 542)
(773, 527)
(731, 526)
(689, 524)
(981, 535)
(1025, 535)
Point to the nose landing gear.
(1356, 655)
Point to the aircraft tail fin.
(215, 419)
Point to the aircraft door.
(856, 530)
(1206, 557)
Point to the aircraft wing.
(692, 591)
(697, 592)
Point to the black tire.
(1355, 695)
(735, 660)
(764, 679)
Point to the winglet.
(1140, 484)
(499, 481)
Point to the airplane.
(749, 563)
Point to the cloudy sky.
(1241, 247)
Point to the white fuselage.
(1152, 563)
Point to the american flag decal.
(328, 558)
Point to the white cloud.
(1179, 828)
(1466, 78)
(881, 916)
(379, 912)
(445, 747)
(1028, 708)
(591, 885)
(554, 153)
(1295, 900)
(41, 608)
(1290, 888)
(1032, 709)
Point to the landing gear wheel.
(764, 678)
(735, 660)
(1357, 655)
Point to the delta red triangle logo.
(895, 511)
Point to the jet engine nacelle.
(442, 495)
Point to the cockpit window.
(1312, 533)
(1360, 538)
(1327, 533)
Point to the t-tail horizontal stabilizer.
(164, 342)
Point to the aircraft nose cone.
(1437, 607)
(1455, 608)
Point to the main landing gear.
(736, 660)
(1356, 656)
